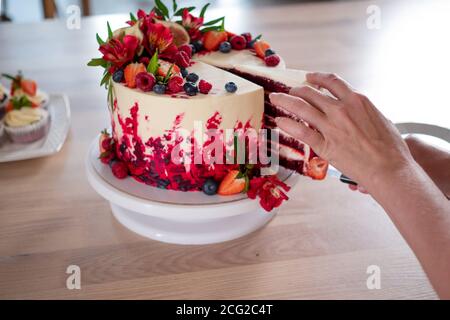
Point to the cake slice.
(294, 154)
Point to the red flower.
(270, 191)
(159, 37)
(120, 51)
(192, 24)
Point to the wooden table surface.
(324, 238)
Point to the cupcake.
(3, 101)
(22, 88)
(26, 124)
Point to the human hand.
(350, 132)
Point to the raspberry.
(247, 36)
(272, 61)
(238, 42)
(145, 81)
(107, 156)
(182, 59)
(204, 86)
(119, 170)
(186, 48)
(175, 84)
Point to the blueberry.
(190, 88)
(210, 187)
(184, 72)
(269, 52)
(225, 47)
(118, 76)
(198, 45)
(192, 77)
(159, 88)
(231, 87)
(193, 48)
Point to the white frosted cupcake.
(26, 124)
(3, 101)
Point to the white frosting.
(157, 112)
(236, 58)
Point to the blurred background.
(36, 10)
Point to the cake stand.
(173, 216)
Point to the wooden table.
(324, 238)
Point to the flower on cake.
(192, 24)
(119, 51)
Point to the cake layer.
(157, 113)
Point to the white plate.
(59, 110)
(175, 216)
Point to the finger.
(314, 97)
(300, 108)
(362, 189)
(333, 83)
(302, 132)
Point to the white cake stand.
(173, 216)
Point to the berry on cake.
(184, 93)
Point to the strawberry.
(103, 137)
(231, 184)
(260, 48)
(164, 67)
(212, 39)
(317, 168)
(28, 86)
(130, 73)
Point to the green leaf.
(247, 184)
(105, 79)
(169, 72)
(202, 13)
(97, 62)
(99, 40)
(179, 13)
(212, 28)
(257, 37)
(132, 17)
(153, 64)
(175, 6)
(20, 102)
(162, 7)
(158, 12)
(110, 33)
(8, 76)
(212, 22)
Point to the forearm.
(422, 215)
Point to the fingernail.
(272, 95)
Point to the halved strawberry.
(260, 48)
(317, 168)
(130, 73)
(213, 39)
(164, 67)
(28, 86)
(231, 185)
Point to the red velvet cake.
(184, 94)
